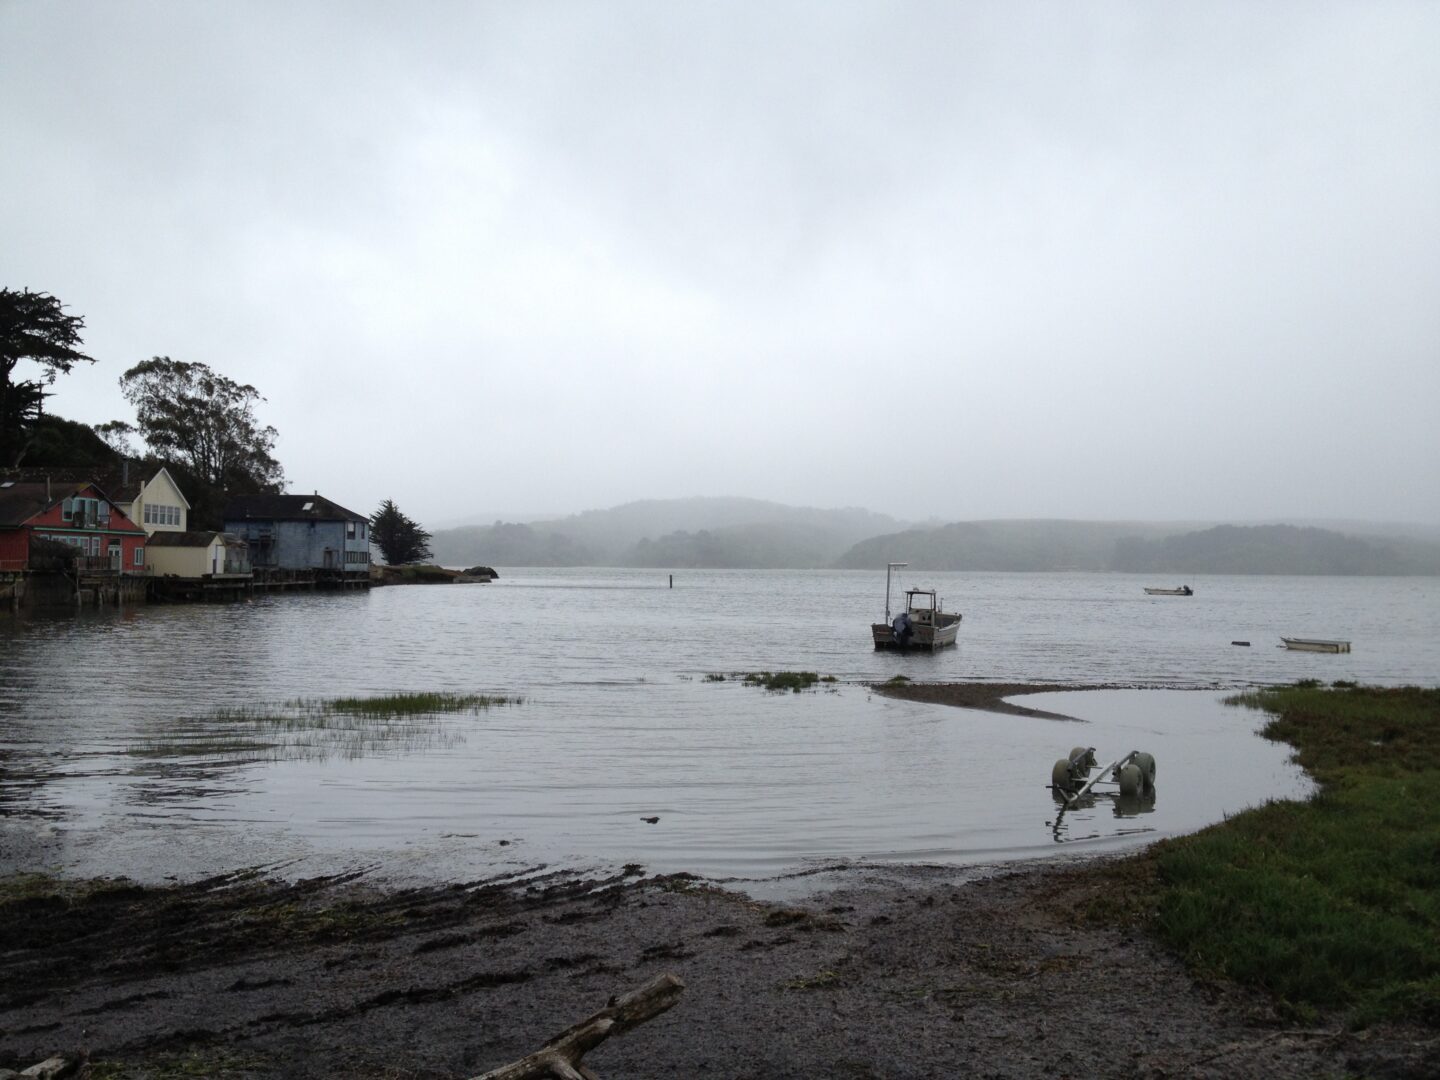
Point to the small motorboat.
(921, 625)
(1302, 644)
(1183, 590)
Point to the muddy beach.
(918, 975)
(1038, 970)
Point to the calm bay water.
(116, 755)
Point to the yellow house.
(213, 555)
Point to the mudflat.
(921, 976)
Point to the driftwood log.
(559, 1059)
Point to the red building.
(78, 514)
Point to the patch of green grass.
(324, 923)
(897, 680)
(780, 681)
(197, 1063)
(422, 704)
(821, 980)
(1332, 903)
(715, 676)
(31, 888)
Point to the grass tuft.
(780, 681)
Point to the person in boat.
(902, 628)
(1187, 590)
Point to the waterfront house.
(301, 533)
(202, 554)
(76, 513)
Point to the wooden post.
(559, 1059)
(672, 581)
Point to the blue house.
(301, 532)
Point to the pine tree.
(400, 539)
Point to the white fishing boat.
(1301, 644)
(1183, 590)
(920, 625)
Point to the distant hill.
(722, 533)
(507, 544)
(787, 546)
(711, 532)
(1276, 549)
(1002, 545)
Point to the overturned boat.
(1330, 645)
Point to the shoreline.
(239, 976)
(990, 697)
(1035, 969)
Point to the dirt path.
(920, 978)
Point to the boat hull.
(923, 637)
(1167, 592)
(1327, 645)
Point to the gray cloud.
(964, 260)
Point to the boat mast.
(889, 568)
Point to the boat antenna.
(890, 568)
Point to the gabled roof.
(21, 500)
(120, 485)
(287, 508)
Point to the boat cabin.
(921, 604)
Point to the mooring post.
(672, 581)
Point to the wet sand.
(989, 697)
(920, 977)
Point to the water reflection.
(138, 732)
(310, 730)
(1120, 805)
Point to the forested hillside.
(1275, 549)
(1001, 546)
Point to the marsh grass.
(1332, 903)
(780, 681)
(316, 729)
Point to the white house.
(156, 505)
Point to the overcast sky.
(1100, 260)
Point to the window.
(66, 508)
(349, 530)
(157, 514)
(139, 556)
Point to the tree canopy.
(400, 539)
(197, 418)
(33, 326)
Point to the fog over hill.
(738, 533)
(701, 531)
